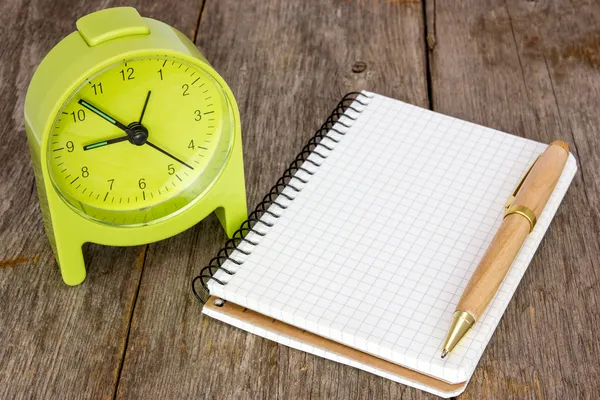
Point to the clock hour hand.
(105, 143)
(104, 115)
(168, 154)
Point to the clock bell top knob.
(112, 23)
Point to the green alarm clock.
(134, 137)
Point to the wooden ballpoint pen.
(521, 213)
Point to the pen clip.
(514, 193)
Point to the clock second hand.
(168, 154)
(124, 138)
(152, 144)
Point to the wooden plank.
(57, 341)
(288, 64)
(531, 68)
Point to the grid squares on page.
(375, 250)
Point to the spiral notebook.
(362, 249)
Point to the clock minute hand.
(104, 116)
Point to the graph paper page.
(376, 248)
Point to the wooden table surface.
(133, 329)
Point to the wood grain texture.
(288, 64)
(507, 65)
(57, 341)
(532, 68)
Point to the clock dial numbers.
(136, 141)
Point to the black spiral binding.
(216, 263)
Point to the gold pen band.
(525, 212)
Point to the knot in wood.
(359, 66)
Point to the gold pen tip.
(444, 353)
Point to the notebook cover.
(234, 314)
(291, 336)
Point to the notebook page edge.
(323, 352)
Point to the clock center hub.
(137, 133)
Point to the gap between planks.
(144, 253)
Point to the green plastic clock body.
(105, 39)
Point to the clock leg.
(70, 260)
(232, 215)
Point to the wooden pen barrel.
(533, 195)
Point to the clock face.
(140, 140)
